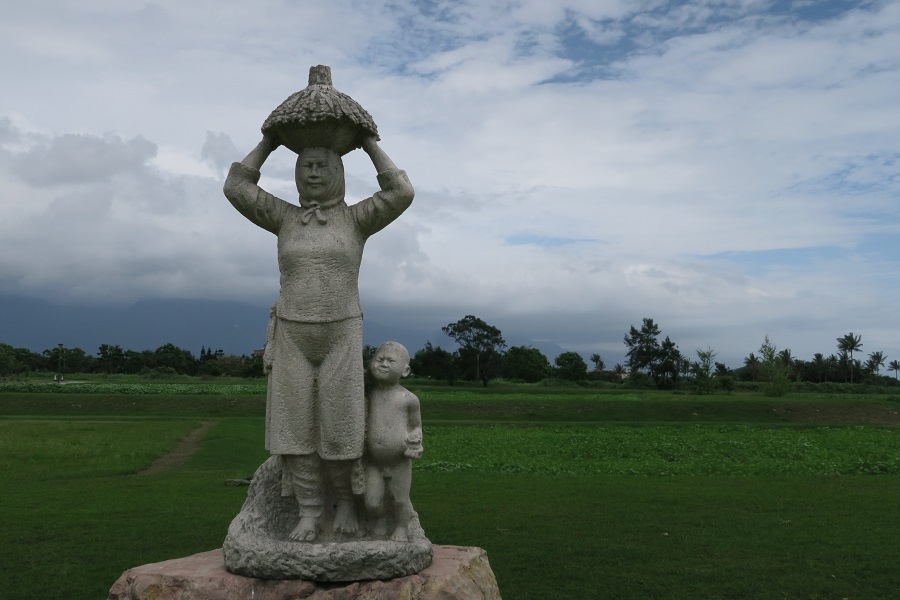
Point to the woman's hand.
(269, 142)
(381, 160)
(263, 149)
(369, 143)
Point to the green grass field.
(576, 494)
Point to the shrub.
(726, 382)
(639, 380)
(556, 382)
(160, 373)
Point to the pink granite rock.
(456, 573)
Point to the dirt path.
(180, 453)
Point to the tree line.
(663, 363)
(166, 360)
(482, 355)
(650, 362)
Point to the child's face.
(389, 365)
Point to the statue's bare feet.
(345, 520)
(305, 531)
(379, 527)
(400, 535)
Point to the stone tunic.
(319, 262)
(316, 402)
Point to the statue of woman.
(315, 414)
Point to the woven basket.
(319, 116)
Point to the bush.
(726, 383)
(639, 380)
(160, 373)
(211, 368)
(556, 382)
(777, 387)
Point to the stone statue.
(393, 440)
(302, 515)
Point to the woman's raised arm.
(381, 160)
(258, 155)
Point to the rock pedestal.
(257, 544)
(456, 573)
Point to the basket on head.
(320, 116)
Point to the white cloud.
(81, 158)
(219, 150)
(716, 133)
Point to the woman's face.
(319, 174)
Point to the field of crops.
(581, 494)
(662, 450)
(132, 389)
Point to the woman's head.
(319, 175)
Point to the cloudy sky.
(728, 168)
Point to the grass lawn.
(675, 537)
(664, 505)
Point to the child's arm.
(414, 428)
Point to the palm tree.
(751, 364)
(598, 362)
(834, 366)
(819, 365)
(787, 360)
(894, 366)
(850, 343)
(876, 361)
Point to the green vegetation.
(764, 537)
(163, 389)
(574, 492)
(483, 357)
(662, 450)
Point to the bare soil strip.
(844, 413)
(180, 454)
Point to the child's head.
(390, 363)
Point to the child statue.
(393, 440)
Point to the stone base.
(258, 543)
(334, 561)
(456, 573)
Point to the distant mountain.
(235, 327)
